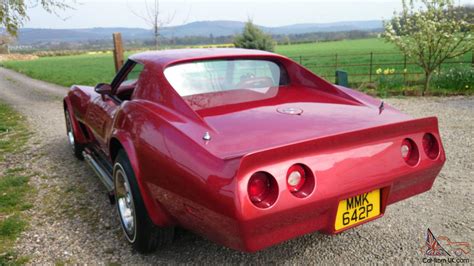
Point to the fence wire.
(368, 67)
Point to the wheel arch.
(80, 135)
(121, 140)
(114, 147)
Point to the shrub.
(456, 78)
(254, 38)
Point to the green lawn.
(68, 70)
(323, 58)
(341, 47)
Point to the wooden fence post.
(118, 50)
(371, 65)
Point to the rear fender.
(155, 210)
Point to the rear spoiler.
(351, 138)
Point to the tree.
(430, 34)
(13, 13)
(254, 38)
(153, 18)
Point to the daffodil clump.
(388, 71)
(389, 78)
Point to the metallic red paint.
(343, 139)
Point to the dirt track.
(72, 221)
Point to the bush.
(456, 78)
(254, 38)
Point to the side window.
(126, 88)
(133, 75)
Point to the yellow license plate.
(357, 209)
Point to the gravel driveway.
(72, 221)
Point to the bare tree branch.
(152, 18)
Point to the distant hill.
(198, 28)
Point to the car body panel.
(350, 141)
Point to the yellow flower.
(392, 70)
(467, 86)
(378, 71)
(405, 70)
(386, 71)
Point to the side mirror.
(103, 89)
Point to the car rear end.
(333, 183)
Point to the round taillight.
(406, 149)
(259, 187)
(300, 180)
(430, 146)
(296, 178)
(409, 152)
(262, 189)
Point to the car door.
(102, 108)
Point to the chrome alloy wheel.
(70, 134)
(125, 204)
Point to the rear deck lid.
(249, 120)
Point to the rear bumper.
(344, 166)
(319, 215)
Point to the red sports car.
(244, 147)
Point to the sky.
(123, 13)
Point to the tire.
(76, 147)
(139, 230)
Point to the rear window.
(222, 75)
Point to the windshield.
(223, 75)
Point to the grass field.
(342, 47)
(322, 58)
(90, 69)
(68, 70)
(354, 56)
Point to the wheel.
(76, 147)
(139, 230)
